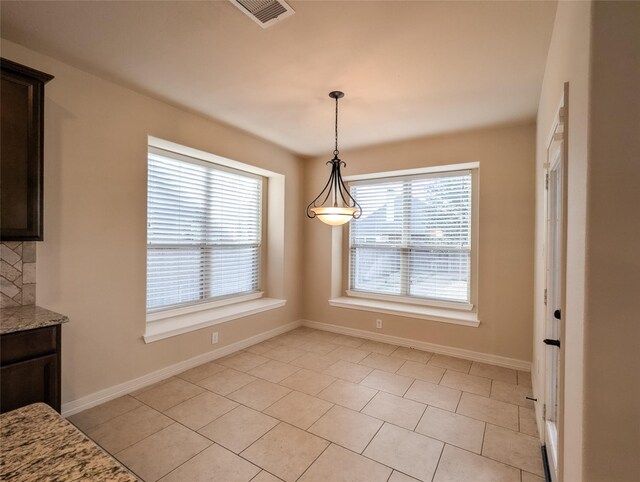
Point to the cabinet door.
(21, 152)
(30, 381)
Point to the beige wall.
(612, 302)
(568, 61)
(92, 263)
(506, 232)
(596, 48)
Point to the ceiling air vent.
(264, 12)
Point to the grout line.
(314, 461)
(439, 458)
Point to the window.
(204, 231)
(413, 242)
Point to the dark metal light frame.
(335, 190)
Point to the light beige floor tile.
(322, 335)
(200, 410)
(378, 347)
(513, 448)
(290, 339)
(285, 451)
(412, 354)
(432, 394)
(259, 394)
(451, 362)
(347, 340)
(318, 347)
(347, 428)
(400, 477)
(214, 464)
(396, 410)
(340, 465)
(527, 477)
(516, 394)
(311, 361)
(225, 382)
(348, 353)
(405, 451)
(308, 381)
(524, 378)
(387, 382)
(528, 421)
(351, 372)
(162, 452)
(201, 372)
(262, 347)
(299, 409)
(421, 371)
(169, 394)
(284, 354)
(494, 372)
(265, 476)
(242, 361)
(103, 413)
(129, 428)
(454, 429)
(348, 394)
(466, 383)
(135, 393)
(273, 371)
(382, 362)
(457, 465)
(239, 428)
(488, 410)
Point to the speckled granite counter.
(22, 318)
(36, 444)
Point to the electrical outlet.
(214, 337)
(379, 324)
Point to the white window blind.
(414, 237)
(204, 226)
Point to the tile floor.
(311, 405)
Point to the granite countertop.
(39, 445)
(21, 318)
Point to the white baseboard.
(116, 391)
(423, 345)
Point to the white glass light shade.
(334, 216)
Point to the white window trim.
(465, 314)
(171, 322)
(187, 322)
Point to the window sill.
(441, 315)
(184, 323)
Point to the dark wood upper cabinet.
(21, 152)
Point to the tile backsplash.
(17, 273)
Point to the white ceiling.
(408, 68)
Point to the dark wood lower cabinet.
(30, 368)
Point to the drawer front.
(23, 345)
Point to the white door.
(555, 187)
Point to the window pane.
(376, 270)
(174, 276)
(439, 275)
(203, 233)
(421, 226)
(234, 270)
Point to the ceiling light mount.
(335, 205)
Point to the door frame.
(559, 132)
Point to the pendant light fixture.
(335, 205)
